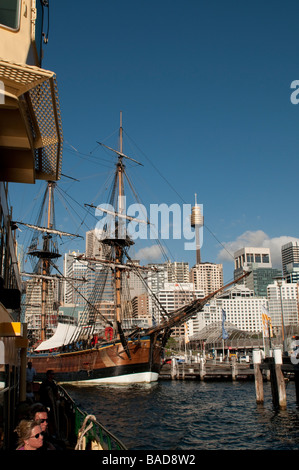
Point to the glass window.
(10, 13)
(265, 258)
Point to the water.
(187, 415)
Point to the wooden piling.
(234, 369)
(202, 370)
(279, 397)
(259, 386)
(258, 377)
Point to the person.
(49, 397)
(30, 376)
(39, 413)
(30, 435)
(48, 391)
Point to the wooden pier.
(209, 370)
(275, 368)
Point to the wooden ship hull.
(107, 363)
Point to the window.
(265, 258)
(10, 13)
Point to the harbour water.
(193, 415)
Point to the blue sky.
(204, 88)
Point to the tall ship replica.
(122, 351)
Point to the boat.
(124, 352)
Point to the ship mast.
(46, 255)
(119, 240)
(47, 252)
(118, 247)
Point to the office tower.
(258, 261)
(207, 277)
(135, 280)
(94, 248)
(33, 307)
(290, 261)
(88, 281)
(283, 303)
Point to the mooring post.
(173, 368)
(280, 382)
(259, 389)
(202, 371)
(234, 369)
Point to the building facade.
(283, 303)
(258, 261)
(207, 277)
(242, 309)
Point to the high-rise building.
(283, 303)
(207, 277)
(258, 261)
(135, 280)
(178, 271)
(290, 259)
(33, 307)
(175, 295)
(88, 282)
(94, 248)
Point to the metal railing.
(97, 432)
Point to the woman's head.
(30, 434)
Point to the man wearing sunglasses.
(39, 413)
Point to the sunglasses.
(43, 420)
(36, 435)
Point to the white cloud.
(256, 239)
(149, 253)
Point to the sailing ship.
(126, 352)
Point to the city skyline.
(205, 89)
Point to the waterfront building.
(242, 308)
(258, 261)
(207, 277)
(283, 302)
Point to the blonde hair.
(24, 430)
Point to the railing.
(94, 432)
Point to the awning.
(31, 129)
(62, 336)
